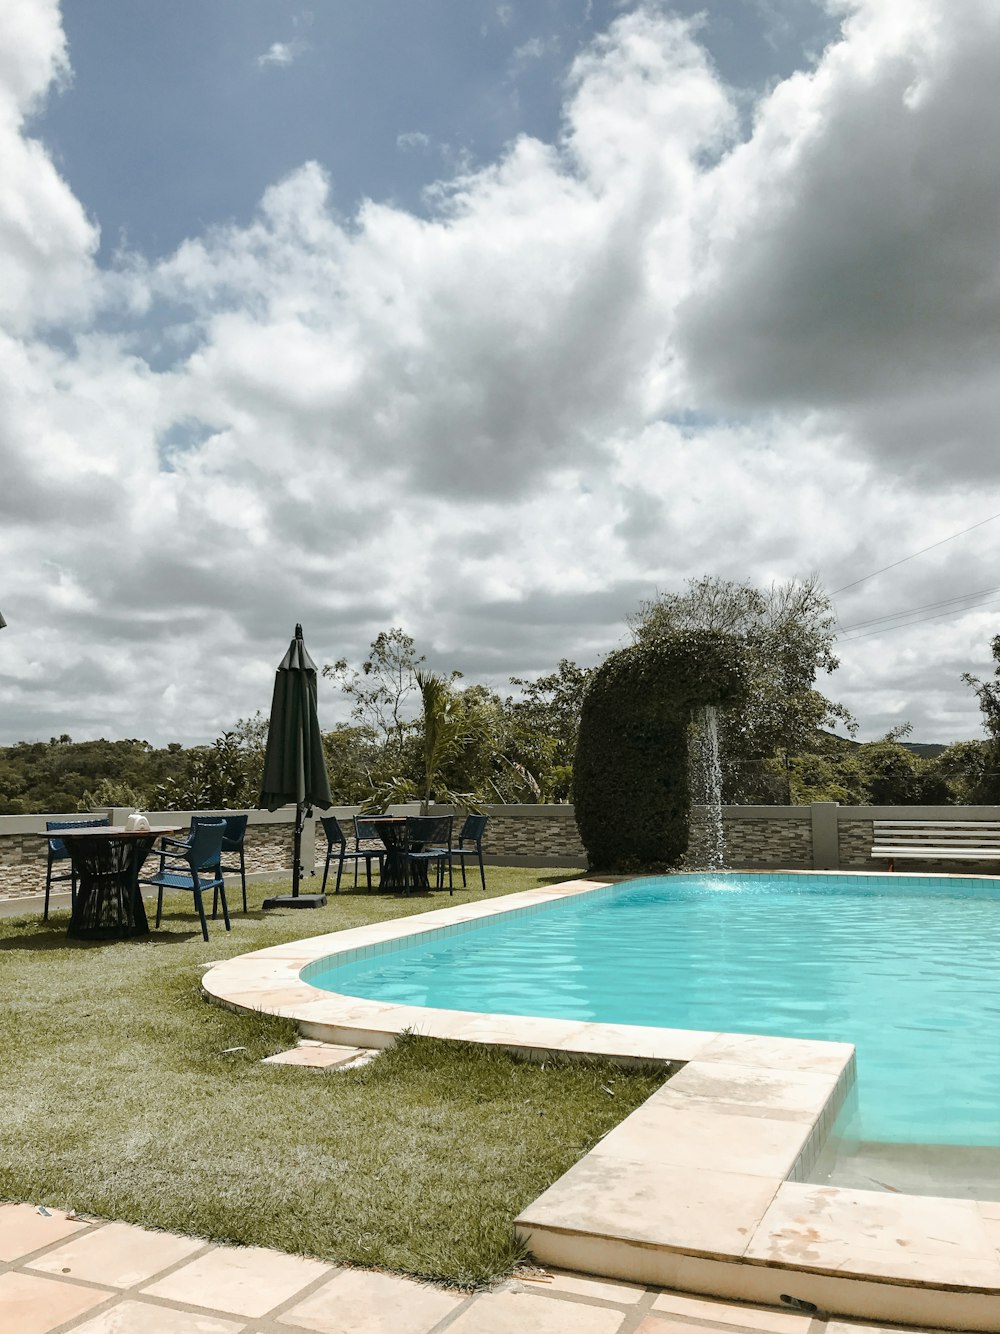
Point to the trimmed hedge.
(630, 777)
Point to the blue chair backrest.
(473, 828)
(364, 830)
(57, 848)
(430, 830)
(334, 833)
(205, 849)
(236, 828)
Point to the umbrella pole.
(297, 853)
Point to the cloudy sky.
(488, 320)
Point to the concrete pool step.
(693, 1193)
(801, 1255)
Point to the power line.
(936, 616)
(866, 577)
(928, 606)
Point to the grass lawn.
(118, 1098)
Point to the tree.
(353, 757)
(442, 733)
(545, 724)
(226, 775)
(788, 633)
(985, 786)
(885, 772)
(113, 792)
(968, 770)
(378, 691)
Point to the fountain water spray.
(706, 784)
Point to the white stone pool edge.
(701, 1187)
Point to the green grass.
(118, 1099)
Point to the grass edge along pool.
(900, 965)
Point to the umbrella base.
(296, 901)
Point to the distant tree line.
(413, 734)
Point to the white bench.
(937, 840)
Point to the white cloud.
(411, 140)
(281, 54)
(598, 367)
(535, 48)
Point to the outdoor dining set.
(405, 847)
(105, 862)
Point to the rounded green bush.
(630, 778)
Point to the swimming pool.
(905, 967)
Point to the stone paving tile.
(534, 1313)
(315, 1056)
(600, 1289)
(360, 1301)
(847, 1327)
(132, 1317)
(727, 1316)
(117, 1255)
(23, 1229)
(239, 1280)
(39, 1296)
(30, 1304)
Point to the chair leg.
(243, 878)
(48, 890)
(326, 872)
(482, 872)
(461, 858)
(159, 906)
(225, 907)
(340, 871)
(368, 873)
(201, 912)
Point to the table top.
(115, 831)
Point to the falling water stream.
(706, 784)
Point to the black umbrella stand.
(294, 763)
(297, 899)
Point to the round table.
(107, 860)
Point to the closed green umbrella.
(294, 763)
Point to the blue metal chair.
(336, 847)
(471, 832)
(428, 839)
(232, 842)
(202, 855)
(58, 852)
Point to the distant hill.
(926, 749)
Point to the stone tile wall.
(267, 847)
(757, 837)
(784, 840)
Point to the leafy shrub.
(630, 777)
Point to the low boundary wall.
(823, 836)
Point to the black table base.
(108, 902)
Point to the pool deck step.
(692, 1191)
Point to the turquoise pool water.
(906, 969)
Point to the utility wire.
(935, 616)
(929, 606)
(866, 577)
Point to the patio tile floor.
(65, 1275)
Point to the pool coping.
(702, 1187)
